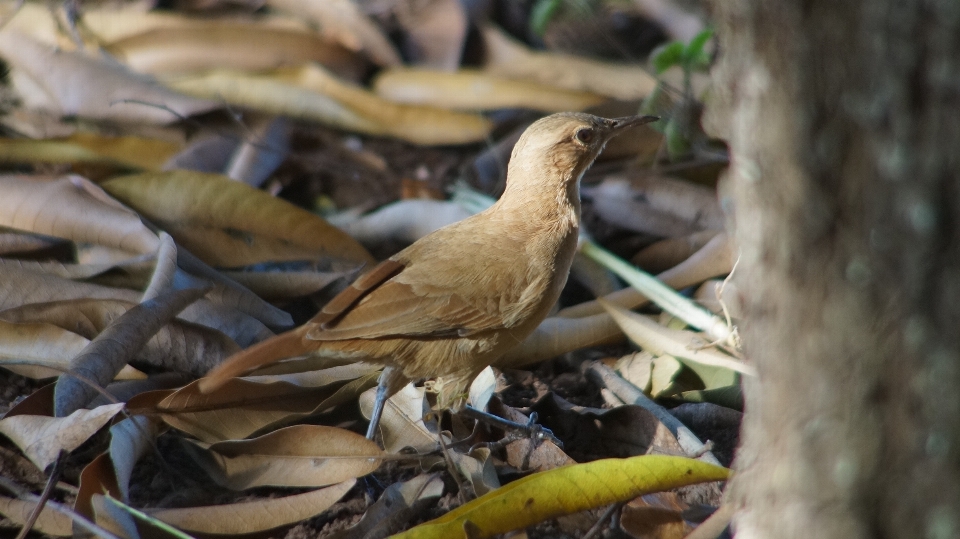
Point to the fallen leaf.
(223, 44)
(342, 21)
(232, 224)
(399, 503)
(241, 408)
(468, 89)
(657, 205)
(297, 456)
(435, 31)
(685, 345)
(567, 490)
(39, 350)
(86, 147)
(73, 84)
(401, 424)
(73, 208)
(178, 346)
(105, 355)
(50, 522)
(509, 58)
(425, 125)
(41, 438)
(259, 515)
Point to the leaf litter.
(384, 115)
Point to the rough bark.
(843, 119)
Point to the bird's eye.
(585, 135)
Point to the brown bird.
(454, 301)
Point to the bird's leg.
(532, 429)
(391, 381)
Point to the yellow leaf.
(564, 491)
(231, 224)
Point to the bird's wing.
(395, 299)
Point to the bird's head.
(565, 144)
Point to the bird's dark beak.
(619, 124)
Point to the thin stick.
(44, 496)
(77, 518)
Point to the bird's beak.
(619, 124)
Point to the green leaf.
(695, 58)
(541, 15)
(566, 490)
(668, 56)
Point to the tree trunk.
(843, 119)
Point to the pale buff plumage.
(457, 299)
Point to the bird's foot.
(531, 429)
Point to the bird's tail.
(283, 346)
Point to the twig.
(44, 496)
(602, 375)
(598, 525)
(77, 518)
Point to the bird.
(457, 299)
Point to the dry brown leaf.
(114, 23)
(73, 84)
(657, 205)
(231, 224)
(73, 208)
(509, 58)
(84, 147)
(43, 350)
(645, 522)
(50, 522)
(667, 253)
(178, 346)
(404, 220)
(258, 515)
(272, 96)
(107, 354)
(469, 89)
(342, 21)
(714, 259)
(223, 44)
(399, 503)
(417, 124)
(281, 285)
(297, 456)
(402, 422)
(41, 438)
(436, 31)
(241, 408)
